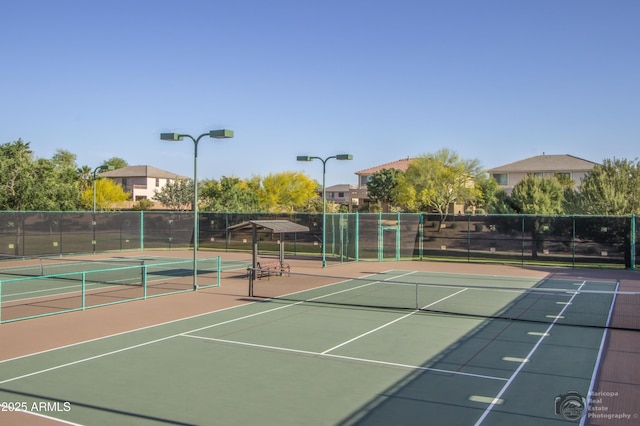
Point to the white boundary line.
(125, 332)
(596, 367)
(44, 416)
(327, 355)
(156, 340)
(523, 363)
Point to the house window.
(157, 182)
(563, 175)
(364, 180)
(125, 181)
(340, 194)
(501, 178)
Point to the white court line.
(141, 344)
(596, 367)
(44, 416)
(149, 326)
(391, 322)
(157, 340)
(326, 355)
(521, 366)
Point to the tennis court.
(386, 347)
(42, 286)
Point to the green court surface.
(469, 355)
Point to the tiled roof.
(141, 171)
(550, 163)
(398, 165)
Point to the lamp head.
(344, 157)
(170, 137)
(221, 134)
(304, 158)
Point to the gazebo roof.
(277, 226)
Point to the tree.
(30, 184)
(230, 194)
(65, 189)
(116, 162)
(488, 193)
(433, 182)
(108, 193)
(143, 204)
(538, 196)
(287, 191)
(382, 185)
(83, 176)
(612, 188)
(177, 194)
(16, 181)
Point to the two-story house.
(341, 194)
(544, 165)
(141, 181)
(364, 176)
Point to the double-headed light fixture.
(215, 134)
(324, 195)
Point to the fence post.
(633, 242)
(398, 240)
(357, 237)
(380, 239)
(573, 242)
(522, 252)
(421, 237)
(469, 238)
(141, 230)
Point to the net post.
(0, 301)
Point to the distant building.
(364, 176)
(141, 181)
(341, 194)
(544, 165)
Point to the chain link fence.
(602, 241)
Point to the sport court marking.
(524, 361)
(326, 353)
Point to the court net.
(552, 301)
(108, 271)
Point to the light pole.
(216, 134)
(324, 195)
(96, 170)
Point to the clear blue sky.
(494, 80)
